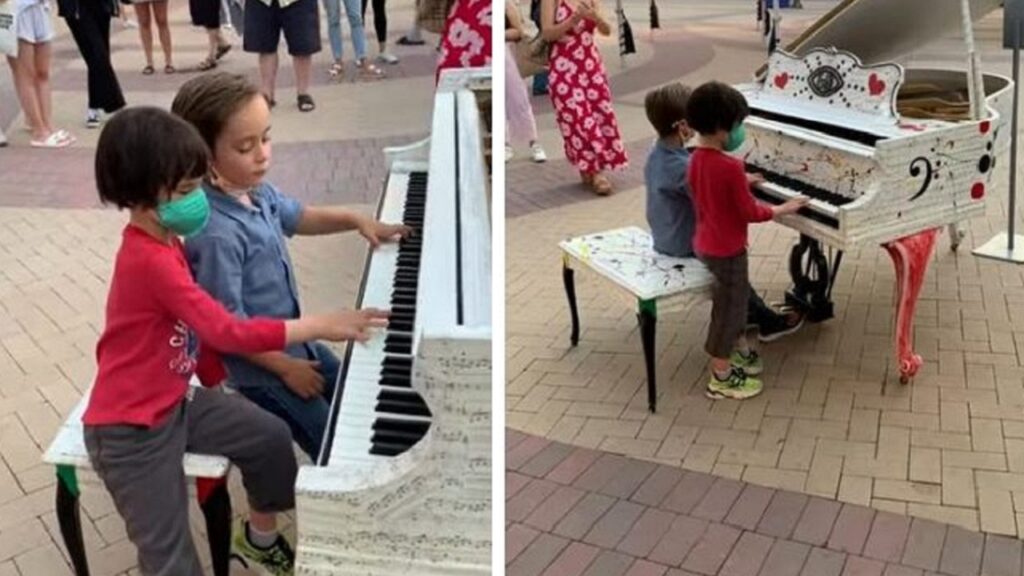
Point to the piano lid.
(884, 30)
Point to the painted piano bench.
(68, 454)
(625, 257)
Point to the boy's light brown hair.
(666, 107)
(208, 101)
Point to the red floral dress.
(583, 101)
(467, 36)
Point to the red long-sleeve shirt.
(725, 206)
(149, 347)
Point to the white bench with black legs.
(68, 454)
(626, 258)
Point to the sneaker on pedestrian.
(509, 153)
(749, 362)
(277, 560)
(736, 386)
(92, 118)
(387, 58)
(537, 153)
(784, 325)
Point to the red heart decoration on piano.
(875, 85)
(781, 80)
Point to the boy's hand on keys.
(303, 378)
(754, 178)
(354, 324)
(791, 206)
(376, 232)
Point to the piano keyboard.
(380, 415)
(778, 188)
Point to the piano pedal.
(813, 308)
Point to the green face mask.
(187, 215)
(736, 137)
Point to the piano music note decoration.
(887, 155)
(403, 481)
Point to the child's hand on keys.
(302, 377)
(354, 324)
(376, 232)
(791, 206)
(754, 178)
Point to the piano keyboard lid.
(884, 30)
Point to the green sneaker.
(278, 560)
(737, 386)
(751, 363)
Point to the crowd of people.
(260, 23)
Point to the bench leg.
(568, 278)
(69, 518)
(212, 494)
(647, 316)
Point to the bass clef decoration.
(915, 171)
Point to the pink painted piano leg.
(910, 256)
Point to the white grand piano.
(888, 155)
(403, 481)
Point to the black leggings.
(91, 31)
(380, 19)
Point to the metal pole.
(1013, 136)
(618, 20)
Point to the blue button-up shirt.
(242, 260)
(670, 210)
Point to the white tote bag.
(8, 27)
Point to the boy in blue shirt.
(670, 210)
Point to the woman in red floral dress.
(467, 36)
(579, 90)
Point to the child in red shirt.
(142, 415)
(720, 188)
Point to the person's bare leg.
(160, 15)
(41, 81)
(265, 522)
(268, 74)
(303, 73)
(145, 17)
(213, 36)
(22, 68)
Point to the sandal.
(207, 64)
(148, 70)
(368, 71)
(337, 70)
(169, 69)
(306, 103)
(222, 50)
(54, 140)
(601, 185)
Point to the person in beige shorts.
(31, 72)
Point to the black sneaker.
(785, 324)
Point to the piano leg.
(647, 317)
(813, 276)
(568, 278)
(956, 235)
(910, 257)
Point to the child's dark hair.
(715, 106)
(210, 100)
(144, 150)
(666, 107)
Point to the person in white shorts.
(31, 71)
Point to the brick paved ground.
(573, 511)
(56, 250)
(833, 422)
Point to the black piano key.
(394, 425)
(396, 381)
(392, 406)
(400, 439)
(382, 449)
(396, 362)
(398, 347)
